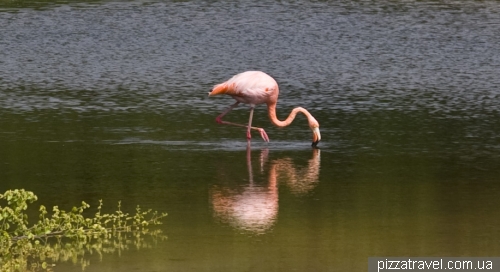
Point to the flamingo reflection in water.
(254, 207)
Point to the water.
(108, 100)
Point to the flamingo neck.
(271, 108)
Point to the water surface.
(108, 100)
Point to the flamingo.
(254, 88)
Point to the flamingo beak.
(316, 136)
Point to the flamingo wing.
(252, 87)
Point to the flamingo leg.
(249, 135)
(218, 119)
(263, 133)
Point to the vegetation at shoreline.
(64, 235)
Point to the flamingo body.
(254, 88)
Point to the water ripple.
(434, 61)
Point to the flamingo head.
(314, 125)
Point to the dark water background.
(108, 100)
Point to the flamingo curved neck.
(271, 108)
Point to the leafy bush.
(25, 247)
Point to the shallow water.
(108, 100)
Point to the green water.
(273, 208)
(108, 100)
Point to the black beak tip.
(315, 143)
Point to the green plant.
(25, 247)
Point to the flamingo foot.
(249, 135)
(218, 120)
(263, 134)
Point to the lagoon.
(108, 100)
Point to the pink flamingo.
(254, 88)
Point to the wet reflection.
(299, 181)
(254, 206)
(54, 252)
